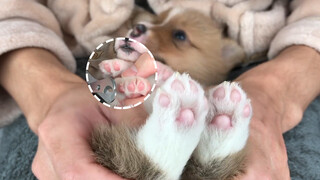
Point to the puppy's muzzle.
(138, 30)
(126, 47)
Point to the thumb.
(143, 67)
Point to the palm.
(65, 133)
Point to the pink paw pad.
(177, 85)
(107, 67)
(131, 87)
(219, 93)
(121, 88)
(141, 86)
(222, 122)
(164, 100)
(116, 66)
(246, 111)
(235, 96)
(134, 86)
(186, 117)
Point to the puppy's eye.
(179, 35)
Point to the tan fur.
(115, 148)
(138, 15)
(207, 56)
(218, 169)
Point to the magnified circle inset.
(121, 73)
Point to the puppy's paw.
(228, 120)
(114, 67)
(173, 129)
(182, 99)
(164, 72)
(220, 153)
(133, 87)
(230, 108)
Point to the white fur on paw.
(114, 67)
(227, 122)
(173, 130)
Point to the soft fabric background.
(18, 144)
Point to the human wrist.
(35, 78)
(265, 90)
(285, 85)
(303, 64)
(299, 70)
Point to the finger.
(143, 67)
(133, 117)
(133, 87)
(114, 67)
(41, 166)
(128, 102)
(66, 142)
(92, 171)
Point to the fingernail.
(134, 69)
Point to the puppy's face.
(191, 42)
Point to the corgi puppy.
(189, 41)
(190, 133)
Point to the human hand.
(64, 151)
(143, 67)
(280, 90)
(61, 110)
(266, 155)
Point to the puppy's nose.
(138, 30)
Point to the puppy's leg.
(115, 148)
(161, 148)
(173, 129)
(221, 150)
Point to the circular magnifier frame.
(102, 100)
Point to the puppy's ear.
(232, 53)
